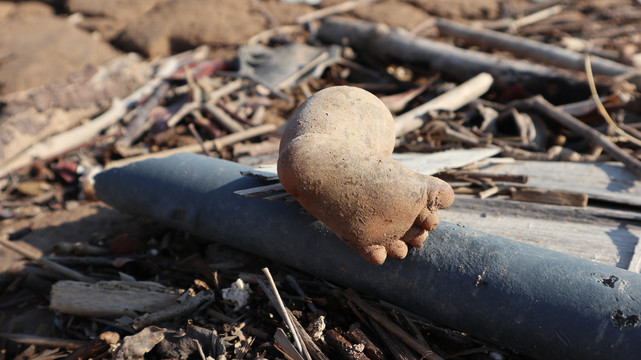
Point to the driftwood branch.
(110, 298)
(399, 46)
(532, 49)
(451, 100)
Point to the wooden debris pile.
(550, 91)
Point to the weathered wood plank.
(430, 164)
(427, 164)
(602, 181)
(603, 235)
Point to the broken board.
(603, 235)
(610, 182)
(426, 164)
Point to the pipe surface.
(534, 301)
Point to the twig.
(43, 341)
(241, 135)
(182, 112)
(537, 13)
(601, 108)
(215, 144)
(280, 306)
(523, 47)
(425, 351)
(535, 17)
(315, 351)
(196, 91)
(46, 262)
(451, 100)
(292, 281)
(226, 89)
(339, 8)
(542, 105)
(141, 121)
(285, 346)
(398, 46)
(222, 118)
(192, 129)
(251, 330)
(190, 305)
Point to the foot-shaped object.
(335, 159)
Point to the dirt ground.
(44, 43)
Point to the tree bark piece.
(371, 350)
(550, 197)
(347, 350)
(399, 46)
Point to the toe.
(397, 249)
(375, 254)
(415, 236)
(427, 219)
(440, 194)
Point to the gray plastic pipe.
(534, 301)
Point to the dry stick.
(425, 351)
(292, 281)
(141, 122)
(451, 100)
(46, 262)
(43, 341)
(536, 17)
(315, 351)
(539, 51)
(189, 306)
(333, 10)
(182, 112)
(222, 118)
(285, 346)
(399, 46)
(199, 139)
(574, 124)
(601, 108)
(225, 90)
(280, 306)
(215, 144)
(230, 320)
(196, 90)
